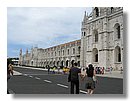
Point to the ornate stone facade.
(102, 37)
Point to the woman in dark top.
(90, 84)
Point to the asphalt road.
(40, 82)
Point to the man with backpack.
(73, 78)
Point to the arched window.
(73, 50)
(59, 53)
(84, 33)
(117, 54)
(112, 9)
(79, 49)
(72, 63)
(68, 51)
(95, 32)
(67, 63)
(117, 31)
(32, 63)
(97, 11)
(78, 63)
(55, 53)
(63, 52)
(62, 63)
(95, 55)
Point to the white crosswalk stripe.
(47, 81)
(83, 91)
(37, 78)
(62, 85)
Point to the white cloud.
(43, 25)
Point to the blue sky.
(43, 27)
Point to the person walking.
(111, 70)
(73, 78)
(54, 68)
(90, 79)
(9, 72)
(48, 67)
(58, 68)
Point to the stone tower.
(20, 57)
(102, 37)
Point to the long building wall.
(63, 55)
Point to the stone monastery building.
(101, 43)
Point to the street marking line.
(62, 85)
(47, 81)
(30, 76)
(83, 91)
(37, 78)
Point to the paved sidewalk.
(113, 74)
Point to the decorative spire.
(27, 51)
(84, 16)
(21, 51)
(32, 48)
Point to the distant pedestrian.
(64, 70)
(90, 79)
(48, 67)
(73, 78)
(121, 70)
(58, 68)
(102, 70)
(98, 70)
(53, 70)
(110, 70)
(9, 72)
